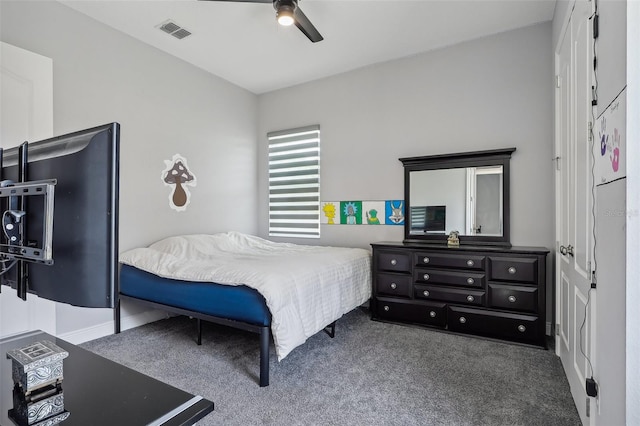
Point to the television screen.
(84, 242)
(428, 219)
(435, 218)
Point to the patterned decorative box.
(37, 365)
(49, 421)
(44, 407)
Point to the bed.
(283, 291)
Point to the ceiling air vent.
(174, 29)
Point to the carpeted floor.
(370, 373)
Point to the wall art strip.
(390, 212)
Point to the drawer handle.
(522, 328)
(463, 320)
(426, 277)
(470, 281)
(470, 262)
(425, 260)
(432, 314)
(470, 298)
(394, 262)
(386, 308)
(393, 286)
(512, 270)
(512, 299)
(426, 293)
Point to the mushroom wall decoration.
(178, 176)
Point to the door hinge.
(558, 81)
(590, 131)
(557, 160)
(588, 407)
(557, 329)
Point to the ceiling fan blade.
(303, 23)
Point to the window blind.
(294, 182)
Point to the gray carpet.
(370, 373)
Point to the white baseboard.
(107, 328)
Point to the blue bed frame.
(234, 306)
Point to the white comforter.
(305, 287)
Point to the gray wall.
(165, 106)
(484, 94)
(633, 221)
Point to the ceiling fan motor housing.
(285, 5)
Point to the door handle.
(566, 250)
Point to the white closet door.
(26, 114)
(574, 201)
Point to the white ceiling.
(242, 43)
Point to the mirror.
(465, 192)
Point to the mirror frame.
(496, 157)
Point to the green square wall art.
(351, 212)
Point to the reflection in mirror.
(484, 201)
(468, 200)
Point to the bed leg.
(199, 325)
(264, 356)
(116, 316)
(331, 330)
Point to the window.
(294, 182)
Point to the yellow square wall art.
(329, 211)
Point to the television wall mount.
(15, 247)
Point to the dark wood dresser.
(491, 291)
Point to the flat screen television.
(435, 219)
(82, 266)
(428, 219)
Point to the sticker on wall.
(178, 177)
(394, 212)
(351, 212)
(329, 211)
(373, 212)
(610, 152)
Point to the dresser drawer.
(446, 294)
(457, 261)
(394, 285)
(430, 313)
(519, 269)
(525, 328)
(513, 297)
(393, 261)
(435, 276)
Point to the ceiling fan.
(288, 13)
